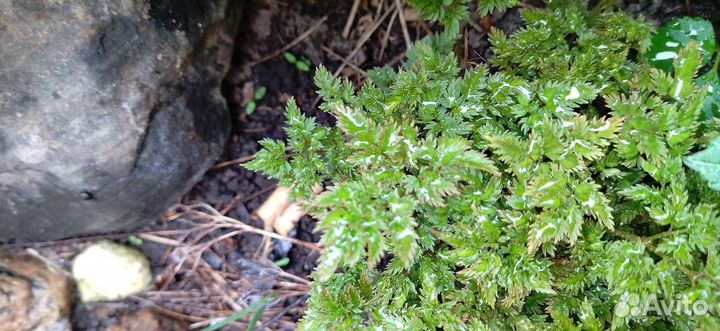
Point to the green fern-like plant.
(540, 192)
(451, 13)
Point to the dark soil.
(661, 11)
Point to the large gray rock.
(109, 110)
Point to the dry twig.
(362, 41)
(240, 199)
(403, 23)
(351, 19)
(219, 220)
(290, 45)
(386, 37)
(244, 159)
(206, 293)
(340, 58)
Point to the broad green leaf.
(711, 81)
(707, 163)
(675, 35)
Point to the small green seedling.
(135, 240)
(259, 95)
(290, 57)
(250, 109)
(282, 262)
(303, 64)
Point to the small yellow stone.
(108, 271)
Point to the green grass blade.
(256, 317)
(241, 314)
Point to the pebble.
(108, 271)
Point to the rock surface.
(109, 110)
(35, 295)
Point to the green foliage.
(260, 93)
(568, 43)
(303, 64)
(707, 163)
(675, 35)
(539, 193)
(250, 108)
(282, 262)
(487, 7)
(711, 80)
(451, 13)
(257, 97)
(135, 240)
(259, 305)
(290, 57)
(679, 33)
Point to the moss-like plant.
(452, 13)
(546, 191)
